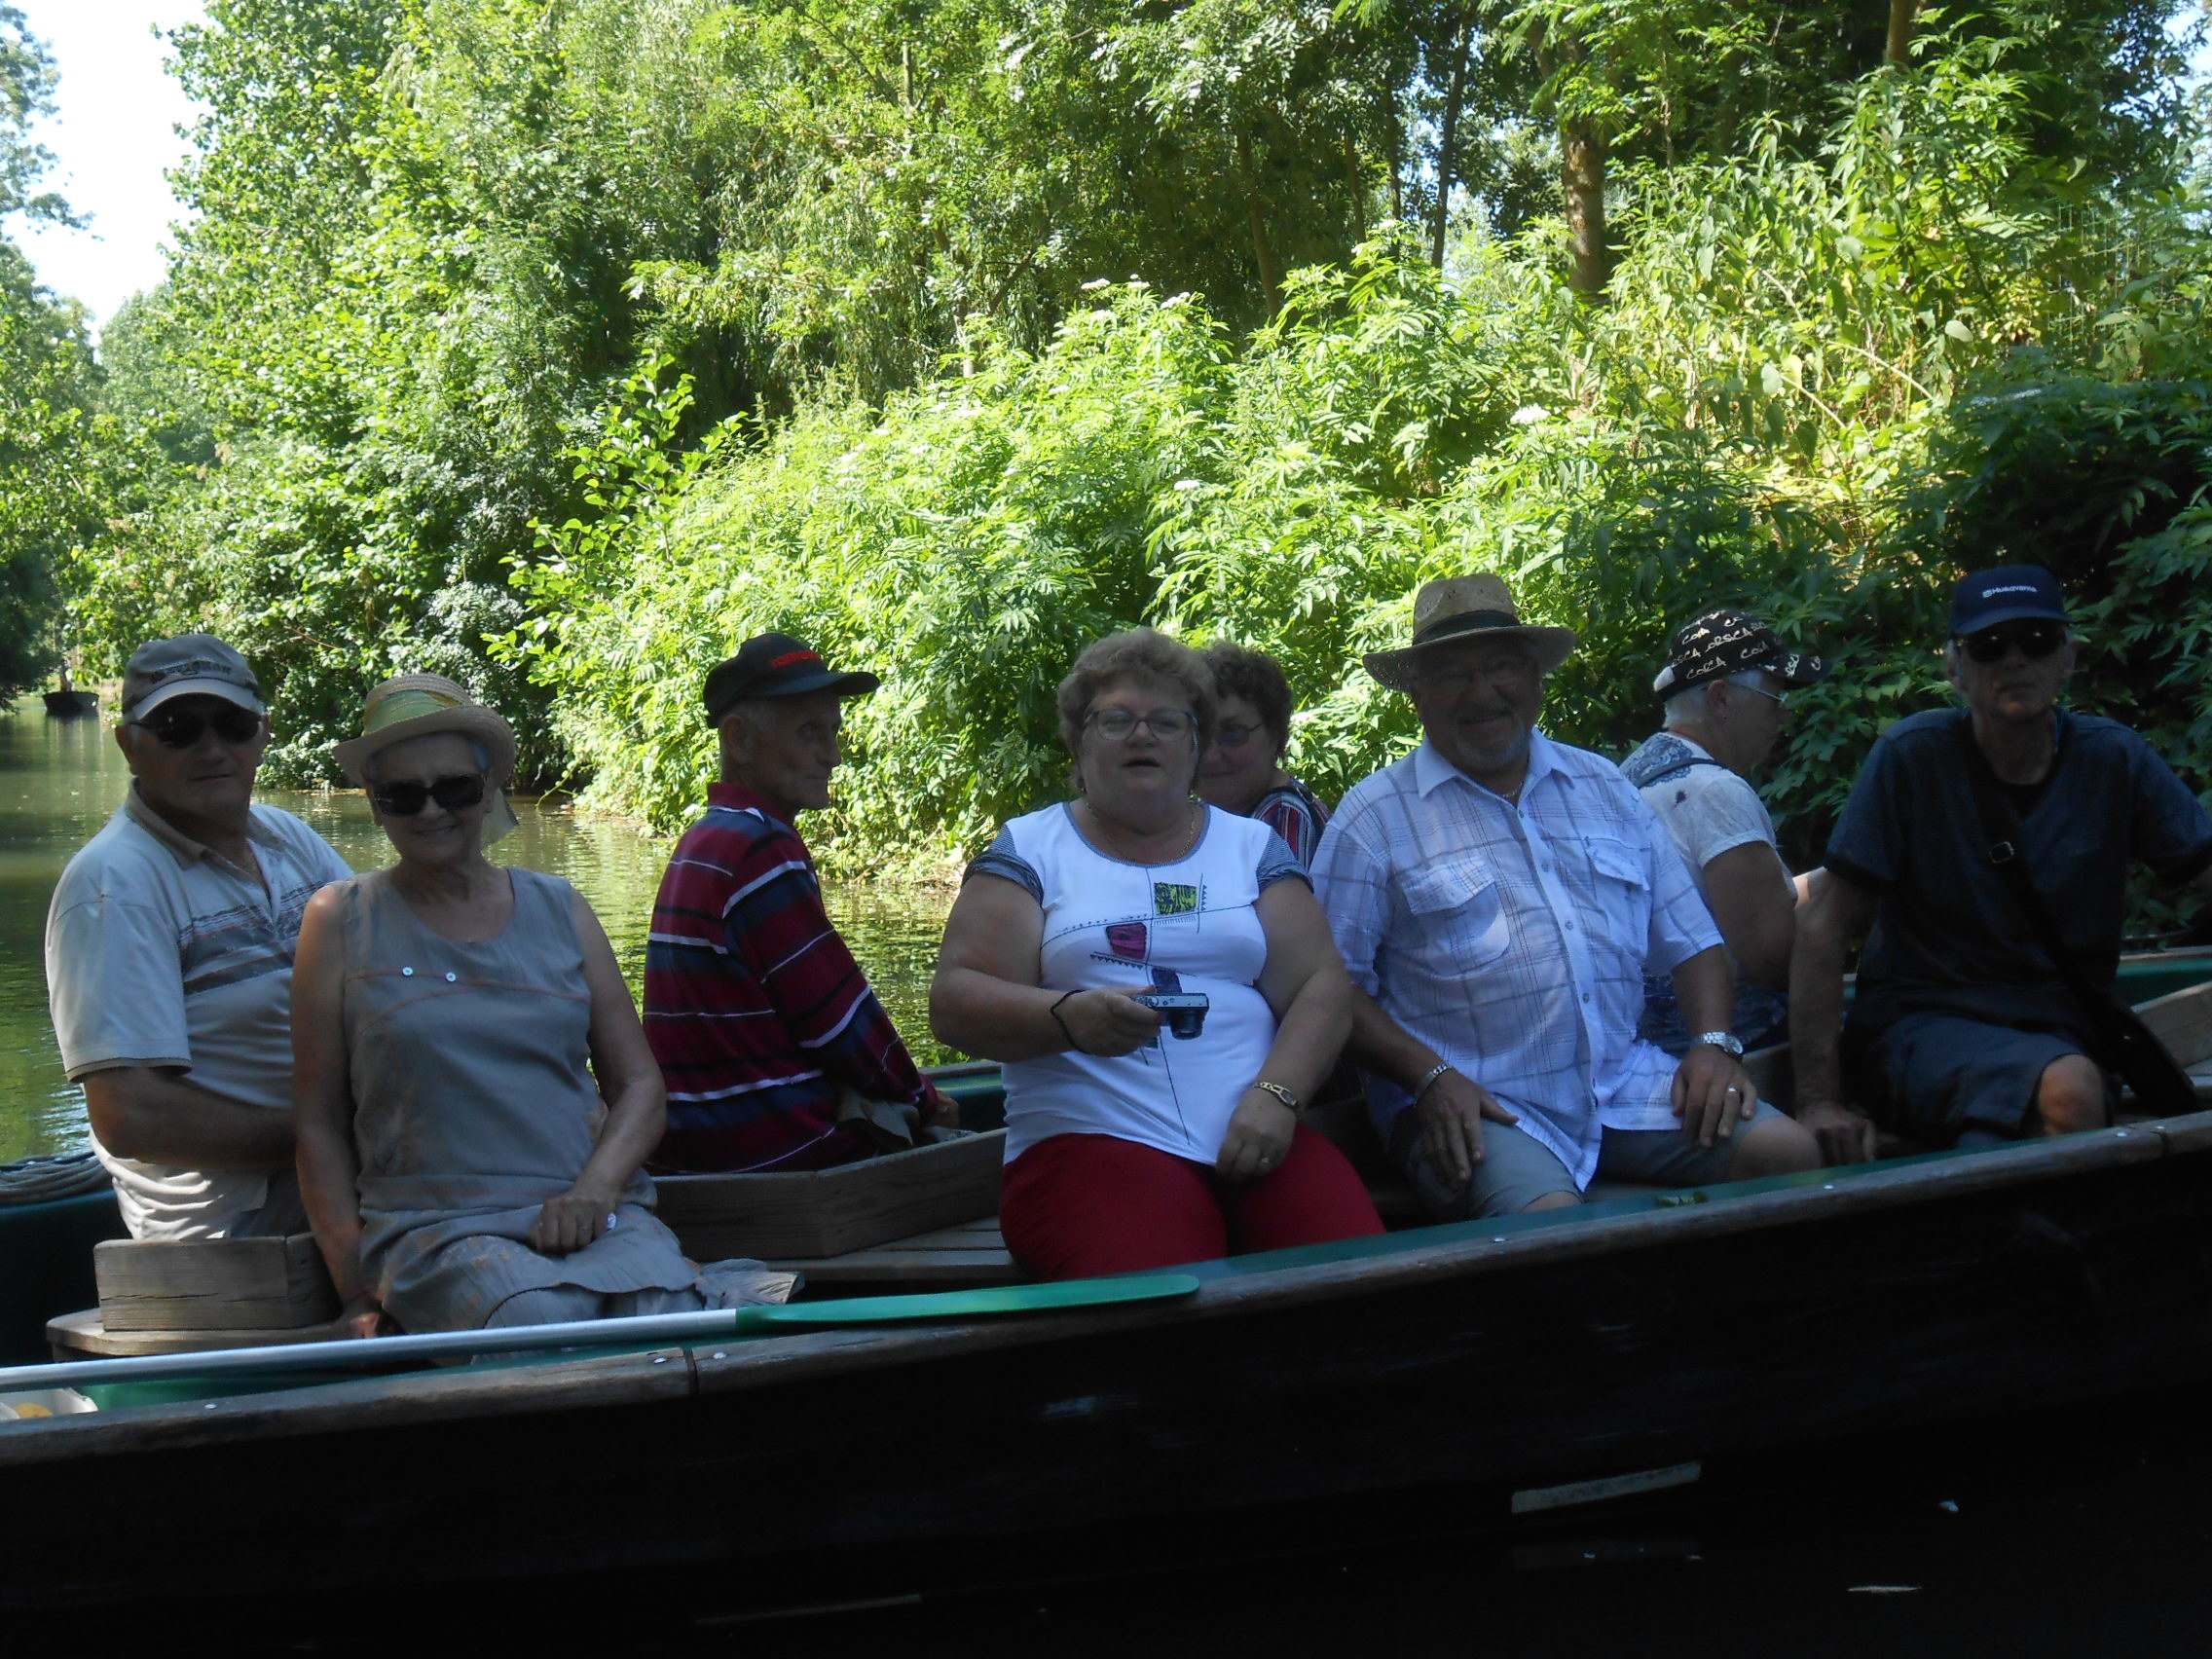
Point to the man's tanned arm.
(157, 1116)
(1835, 913)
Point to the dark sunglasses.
(405, 801)
(2036, 640)
(181, 728)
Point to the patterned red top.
(756, 1011)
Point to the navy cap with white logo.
(2005, 595)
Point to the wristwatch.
(1282, 1094)
(1727, 1041)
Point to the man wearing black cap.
(168, 956)
(1726, 687)
(1964, 1030)
(776, 1052)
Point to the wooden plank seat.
(963, 1257)
(77, 1336)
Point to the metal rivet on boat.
(719, 1354)
(407, 973)
(451, 977)
(1827, 1185)
(660, 1359)
(2119, 1134)
(1500, 1239)
(210, 1405)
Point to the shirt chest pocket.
(1459, 917)
(1622, 894)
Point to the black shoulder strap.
(2125, 1042)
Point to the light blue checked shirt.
(1513, 940)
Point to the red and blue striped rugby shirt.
(755, 1009)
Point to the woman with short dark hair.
(1242, 768)
(1163, 990)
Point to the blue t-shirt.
(1948, 937)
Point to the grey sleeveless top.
(473, 1103)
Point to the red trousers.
(1079, 1205)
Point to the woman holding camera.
(1163, 990)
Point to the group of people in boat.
(1542, 969)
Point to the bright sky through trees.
(114, 138)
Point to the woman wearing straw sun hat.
(461, 1030)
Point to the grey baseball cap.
(191, 665)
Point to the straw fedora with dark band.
(1467, 608)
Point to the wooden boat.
(72, 705)
(1525, 1364)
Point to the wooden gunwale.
(1246, 1285)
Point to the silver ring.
(1733, 1089)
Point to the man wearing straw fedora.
(1498, 898)
(168, 956)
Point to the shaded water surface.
(60, 780)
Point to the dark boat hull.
(1490, 1359)
(72, 705)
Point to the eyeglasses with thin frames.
(1119, 726)
(1780, 697)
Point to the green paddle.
(648, 1329)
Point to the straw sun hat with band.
(423, 705)
(1467, 608)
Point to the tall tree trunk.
(1358, 183)
(1899, 48)
(1583, 172)
(1263, 250)
(1454, 95)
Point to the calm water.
(59, 780)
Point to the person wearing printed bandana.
(1726, 687)
(1963, 1031)
(168, 956)
(1499, 898)
(777, 1053)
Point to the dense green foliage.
(559, 347)
(49, 497)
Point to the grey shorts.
(1516, 1170)
(1937, 1076)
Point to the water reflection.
(59, 780)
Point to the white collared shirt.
(1513, 938)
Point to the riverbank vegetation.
(558, 347)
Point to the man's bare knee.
(1773, 1146)
(2070, 1096)
(1553, 1201)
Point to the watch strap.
(1282, 1094)
(1727, 1041)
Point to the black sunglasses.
(181, 728)
(2036, 640)
(405, 801)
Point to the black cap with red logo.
(776, 665)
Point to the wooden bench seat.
(950, 1258)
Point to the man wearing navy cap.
(776, 1052)
(1963, 1031)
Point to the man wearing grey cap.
(168, 956)
(1989, 845)
(1727, 689)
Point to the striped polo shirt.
(755, 1009)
